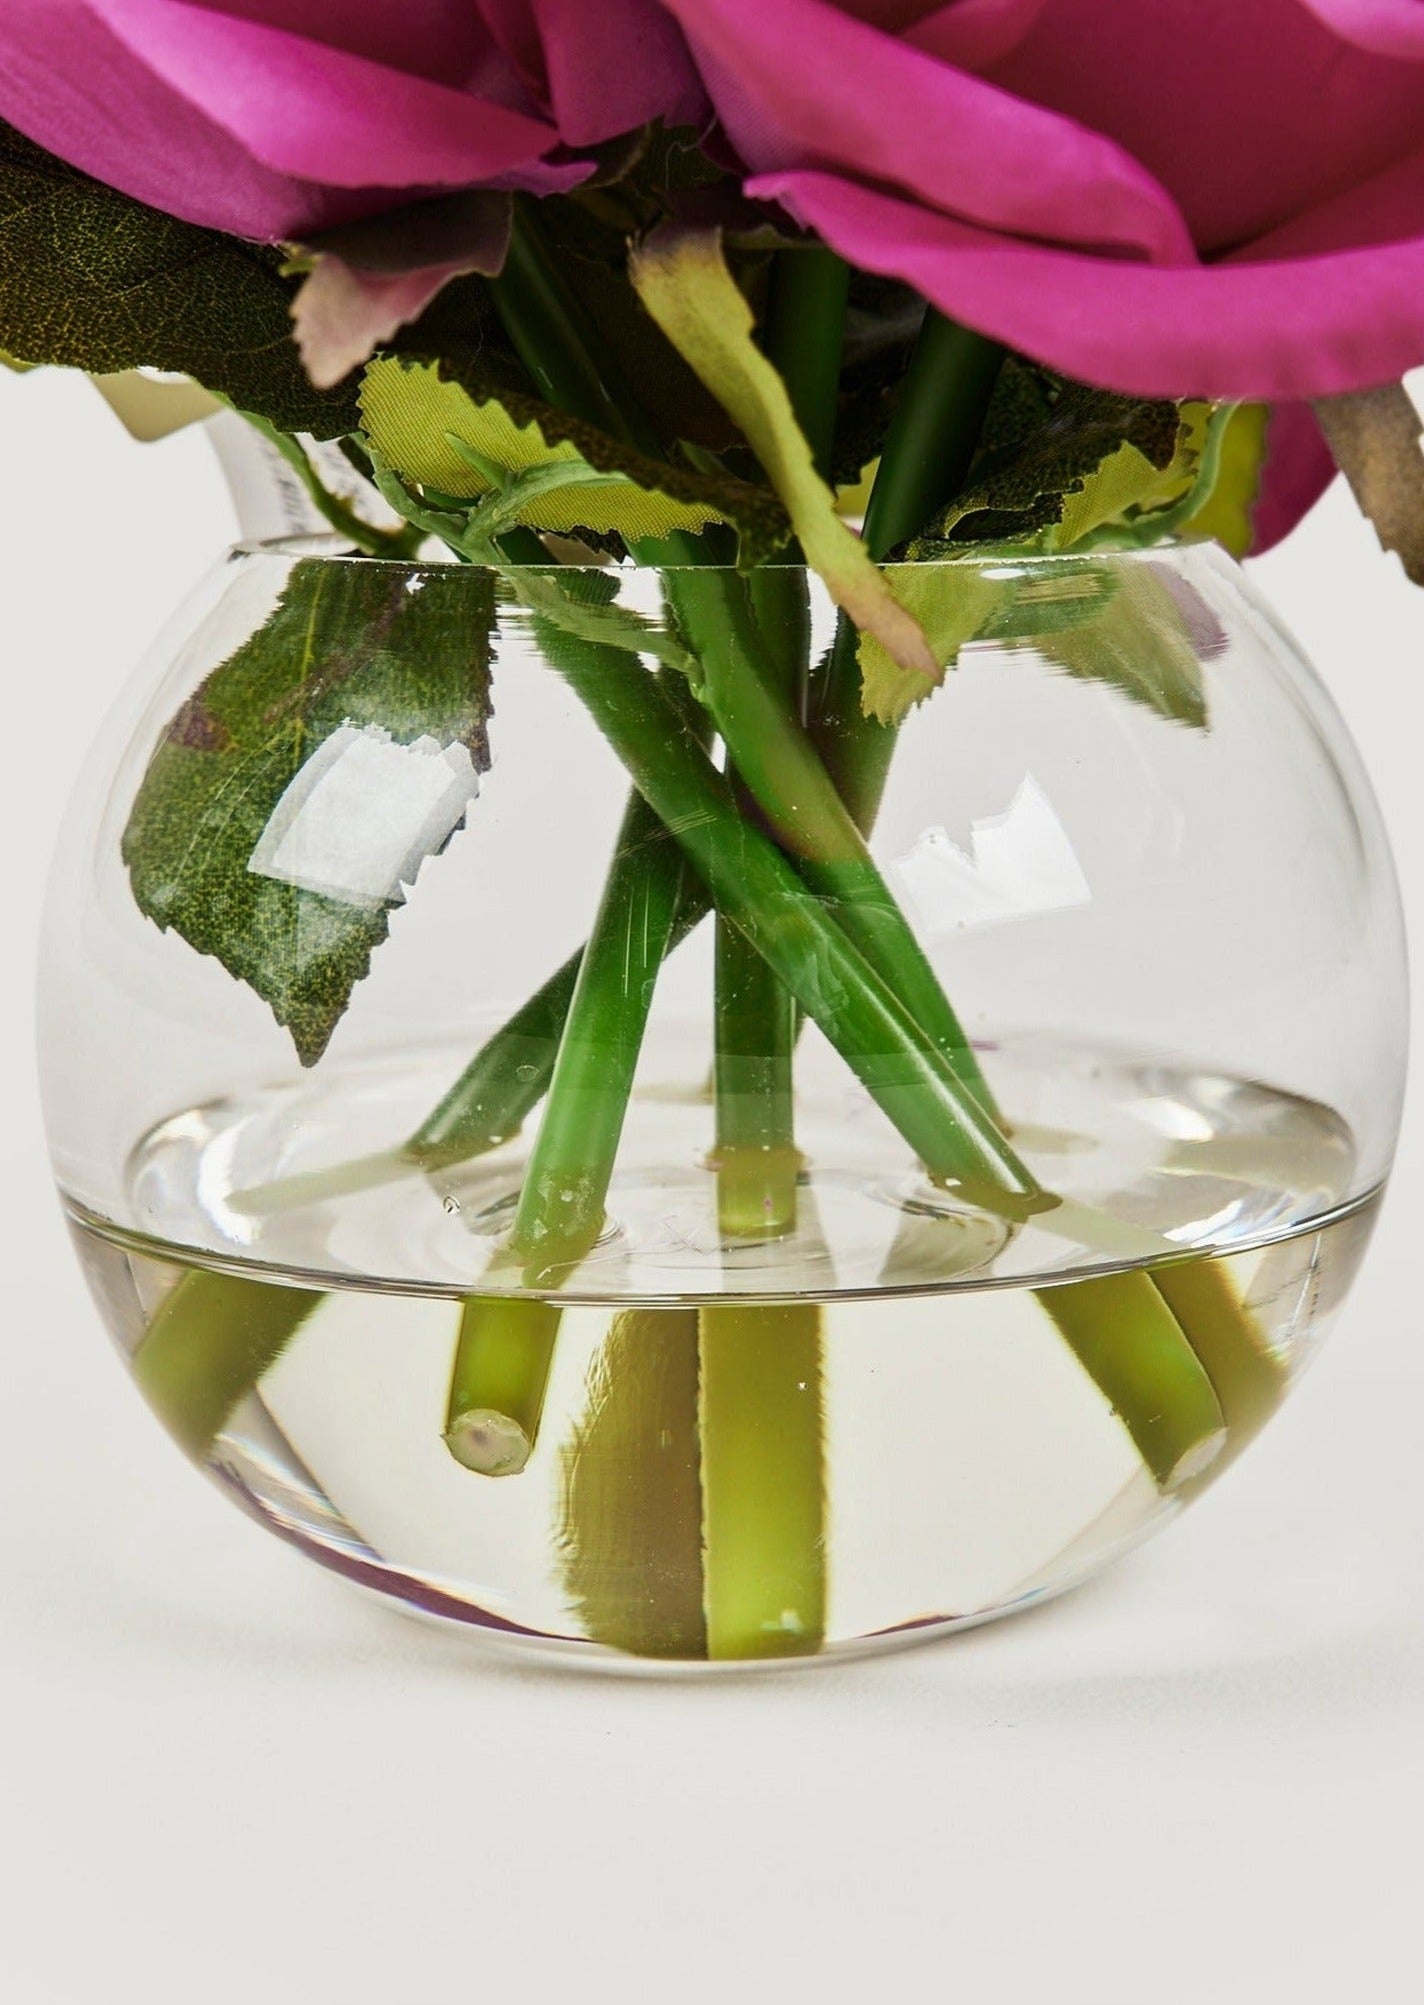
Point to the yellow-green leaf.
(951, 602)
(1128, 484)
(414, 417)
(685, 284)
(1227, 513)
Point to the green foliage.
(460, 375)
(435, 431)
(1137, 626)
(90, 279)
(1221, 507)
(347, 644)
(1147, 637)
(684, 281)
(953, 603)
(1059, 460)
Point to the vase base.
(964, 1462)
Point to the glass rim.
(327, 546)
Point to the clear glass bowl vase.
(813, 1383)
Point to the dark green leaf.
(1044, 442)
(368, 651)
(90, 279)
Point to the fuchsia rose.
(276, 119)
(1192, 197)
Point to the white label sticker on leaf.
(362, 815)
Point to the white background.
(223, 1777)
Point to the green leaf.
(90, 279)
(569, 608)
(1225, 511)
(1148, 638)
(428, 426)
(1128, 488)
(952, 603)
(461, 338)
(356, 661)
(683, 280)
(1061, 460)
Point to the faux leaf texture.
(1051, 447)
(461, 336)
(362, 704)
(953, 603)
(368, 278)
(1139, 627)
(91, 279)
(1375, 436)
(414, 417)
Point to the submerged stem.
(506, 1344)
(1249, 1379)
(757, 1161)
(779, 763)
(763, 1479)
(1128, 1341)
(756, 886)
(208, 1343)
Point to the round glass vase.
(976, 1201)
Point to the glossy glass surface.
(1136, 846)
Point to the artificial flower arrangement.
(759, 365)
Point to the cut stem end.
(488, 1443)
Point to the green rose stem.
(542, 332)
(775, 757)
(508, 1077)
(630, 1536)
(208, 1343)
(803, 334)
(756, 1157)
(928, 451)
(503, 1358)
(1127, 1339)
(1249, 1379)
(506, 1344)
(493, 1096)
(763, 1478)
(799, 932)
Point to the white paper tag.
(362, 815)
(267, 495)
